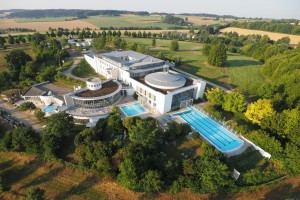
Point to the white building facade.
(163, 91)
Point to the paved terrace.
(89, 112)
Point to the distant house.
(45, 93)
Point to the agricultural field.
(45, 19)
(3, 53)
(295, 39)
(44, 25)
(198, 21)
(242, 72)
(59, 182)
(128, 21)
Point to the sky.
(241, 8)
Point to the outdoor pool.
(49, 109)
(133, 109)
(210, 130)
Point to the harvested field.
(43, 26)
(195, 20)
(295, 39)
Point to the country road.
(69, 71)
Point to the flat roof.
(38, 89)
(107, 88)
(130, 58)
(33, 91)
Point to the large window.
(92, 104)
(183, 96)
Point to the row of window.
(97, 85)
(146, 93)
(100, 103)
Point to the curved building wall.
(97, 103)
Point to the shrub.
(26, 106)
(39, 114)
(195, 135)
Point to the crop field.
(44, 26)
(242, 72)
(295, 39)
(45, 19)
(196, 20)
(128, 21)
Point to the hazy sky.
(241, 8)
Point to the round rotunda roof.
(165, 80)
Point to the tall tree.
(259, 110)
(217, 55)
(174, 45)
(153, 42)
(234, 102)
(15, 60)
(215, 96)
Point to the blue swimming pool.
(210, 130)
(49, 109)
(133, 109)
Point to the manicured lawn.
(3, 53)
(242, 72)
(128, 21)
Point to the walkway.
(24, 117)
(69, 71)
(196, 77)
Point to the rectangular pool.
(213, 132)
(133, 109)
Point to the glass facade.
(183, 96)
(97, 103)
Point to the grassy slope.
(84, 70)
(27, 49)
(242, 72)
(22, 172)
(127, 21)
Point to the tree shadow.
(6, 164)
(17, 173)
(242, 63)
(44, 178)
(285, 191)
(80, 188)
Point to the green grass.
(249, 159)
(3, 53)
(128, 21)
(46, 19)
(241, 73)
(66, 65)
(84, 70)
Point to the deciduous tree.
(259, 110)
